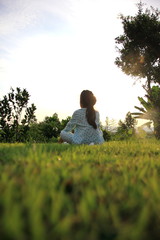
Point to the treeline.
(45, 131)
(18, 122)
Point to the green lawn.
(67, 192)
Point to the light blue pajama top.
(84, 133)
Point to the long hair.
(88, 100)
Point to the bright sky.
(57, 48)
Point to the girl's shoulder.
(83, 110)
(80, 111)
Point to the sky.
(57, 48)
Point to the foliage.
(63, 192)
(47, 130)
(18, 121)
(139, 57)
(150, 109)
(35, 134)
(51, 126)
(139, 45)
(107, 135)
(126, 129)
(14, 111)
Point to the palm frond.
(145, 104)
(140, 109)
(141, 115)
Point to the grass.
(67, 192)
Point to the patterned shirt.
(84, 133)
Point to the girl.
(84, 123)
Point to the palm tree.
(151, 109)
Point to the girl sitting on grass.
(84, 126)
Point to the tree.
(127, 128)
(51, 126)
(140, 55)
(47, 130)
(139, 45)
(15, 115)
(130, 122)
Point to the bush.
(106, 135)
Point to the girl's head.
(88, 100)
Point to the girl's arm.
(72, 123)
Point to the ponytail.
(91, 116)
(88, 100)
